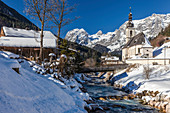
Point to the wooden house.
(26, 42)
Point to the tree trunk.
(42, 29)
(41, 43)
(57, 45)
(59, 27)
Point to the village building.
(26, 42)
(138, 49)
(136, 45)
(109, 60)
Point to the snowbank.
(29, 92)
(159, 79)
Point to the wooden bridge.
(102, 68)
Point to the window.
(138, 50)
(131, 33)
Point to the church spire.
(130, 30)
(130, 23)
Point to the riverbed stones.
(168, 108)
(89, 101)
(163, 106)
(157, 92)
(144, 93)
(84, 90)
(125, 98)
(112, 98)
(137, 109)
(153, 98)
(105, 108)
(151, 103)
(139, 95)
(157, 104)
(118, 97)
(101, 98)
(100, 74)
(131, 96)
(96, 108)
(88, 108)
(118, 106)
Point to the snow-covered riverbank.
(30, 92)
(137, 83)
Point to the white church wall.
(148, 61)
(148, 52)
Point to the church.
(137, 45)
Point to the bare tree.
(59, 10)
(38, 9)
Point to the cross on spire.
(130, 24)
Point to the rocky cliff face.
(150, 26)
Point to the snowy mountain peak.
(77, 35)
(150, 26)
(99, 32)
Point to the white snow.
(147, 43)
(26, 42)
(51, 54)
(72, 49)
(15, 37)
(110, 58)
(29, 92)
(163, 50)
(63, 55)
(159, 79)
(23, 33)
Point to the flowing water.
(97, 90)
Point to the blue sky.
(105, 15)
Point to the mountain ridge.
(150, 26)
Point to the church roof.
(147, 43)
(137, 40)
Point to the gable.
(136, 40)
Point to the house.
(26, 42)
(106, 60)
(136, 45)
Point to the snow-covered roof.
(26, 42)
(15, 37)
(20, 33)
(63, 55)
(72, 49)
(147, 43)
(51, 54)
(110, 58)
(139, 39)
(163, 51)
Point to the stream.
(98, 89)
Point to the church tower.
(130, 30)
